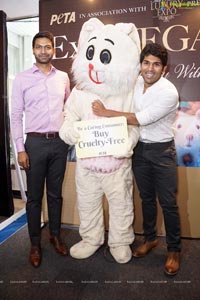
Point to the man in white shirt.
(154, 160)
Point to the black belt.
(47, 135)
(169, 143)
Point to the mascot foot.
(121, 254)
(83, 250)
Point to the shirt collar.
(153, 86)
(36, 69)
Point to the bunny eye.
(105, 56)
(90, 52)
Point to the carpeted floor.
(95, 278)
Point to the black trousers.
(47, 162)
(154, 167)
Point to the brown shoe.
(58, 245)
(172, 264)
(142, 250)
(35, 256)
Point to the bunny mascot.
(105, 68)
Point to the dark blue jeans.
(47, 163)
(154, 167)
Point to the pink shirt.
(41, 97)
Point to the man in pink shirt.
(39, 93)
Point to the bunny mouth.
(95, 76)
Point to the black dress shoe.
(58, 245)
(35, 256)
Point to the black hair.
(43, 34)
(155, 50)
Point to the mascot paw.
(73, 136)
(124, 155)
(70, 137)
(121, 254)
(83, 250)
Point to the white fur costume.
(105, 68)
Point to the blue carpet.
(12, 228)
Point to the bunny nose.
(91, 67)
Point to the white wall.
(20, 8)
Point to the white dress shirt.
(156, 110)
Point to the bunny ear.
(89, 26)
(131, 30)
(197, 114)
(92, 24)
(125, 27)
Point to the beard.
(43, 59)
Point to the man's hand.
(23, 160)
(99, 109)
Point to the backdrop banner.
(175, 24)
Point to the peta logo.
(63, 18)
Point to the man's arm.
(67, 88)
(17, 124)
(99, 110)
(17, 107)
